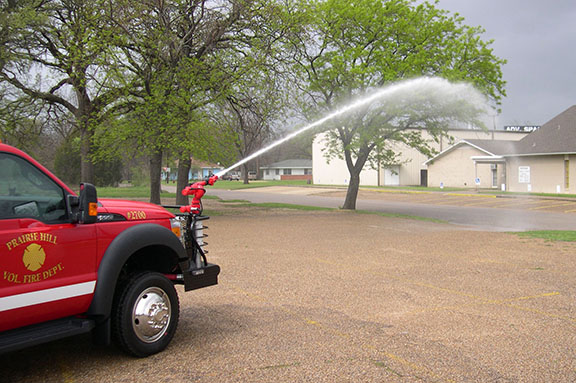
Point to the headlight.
(177, 225)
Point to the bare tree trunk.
(245, 173)
(354, 168)
(86, 165)
(352, 192)
(184, 165)
(155, 176)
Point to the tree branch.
(48, 97)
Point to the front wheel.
(145, 314)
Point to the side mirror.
(88, 204)
(73, 207)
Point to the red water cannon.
(197, 191)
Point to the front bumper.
(197, 278)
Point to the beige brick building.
(543, 161)
(410, 170)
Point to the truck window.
(26, 192)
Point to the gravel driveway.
(345, 297)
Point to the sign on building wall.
(524, 174)
(521, 128)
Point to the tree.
(21, 119)
(34, 126)
(185, 54)
(250, 111)
(349, 50)
(21, 123)
(56, 51)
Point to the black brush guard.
(196, 271)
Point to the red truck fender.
(131, 243)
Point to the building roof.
(557, 136)
(494, 147)
(290, 164)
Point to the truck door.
(47, 263)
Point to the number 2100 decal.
(136, 214)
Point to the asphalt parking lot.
(345, 297)
(561, 205)
(463, 199)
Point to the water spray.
(402, 91)
(398, 90)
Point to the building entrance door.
(392, 176)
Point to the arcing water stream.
(421, 87)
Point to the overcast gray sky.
(538, 38)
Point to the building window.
(307, 171)
(287, 172)
(267, 172)
(277, 172)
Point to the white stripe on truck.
(44, 296)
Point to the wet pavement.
(474, 210)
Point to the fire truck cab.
(72, 263)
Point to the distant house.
(200, 170)
(543, 161)
(288, 170)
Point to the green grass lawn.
(400, 189)
(234, 185)
(129, 192)
(404, 216)
(275, 205)
(144, 191)
(551, 235)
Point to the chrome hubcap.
(151, 314)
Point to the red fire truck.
(71, 263)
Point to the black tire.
(150, 296)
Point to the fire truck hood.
(133, 210)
